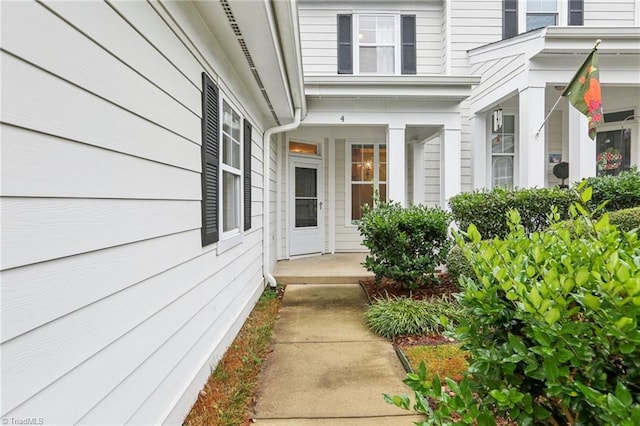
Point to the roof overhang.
(572, 40)
(415, 87)
(262, 42)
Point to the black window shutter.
(408, 31)
(247, 174)
(509, 18)
(576, 12)
(345, 48)
(210, 160)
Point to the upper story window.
(376, 44)
(541, 13)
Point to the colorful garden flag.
(584, 92)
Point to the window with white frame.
(230, 164)
(503, 153)
(541, 13)
(368, 170)
(377, 44)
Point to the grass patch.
(225, 399)
(441, 360)
(399, 316)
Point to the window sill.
(230, 242)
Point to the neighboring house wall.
(112, 311)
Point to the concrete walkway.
(326, 367)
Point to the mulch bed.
(389, 288)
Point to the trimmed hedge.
(487, 209)
(621, 192)
(405, 244)
(458, 265)
(627, 219)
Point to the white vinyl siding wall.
(111, 309)
(619, 13)
(318, 33)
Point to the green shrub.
(487, 209)
(458, 264)
(399, 316)
(405, 244)
(621, 192)
(555, 335)
(627, 219)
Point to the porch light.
(497, 120)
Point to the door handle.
(320, 204)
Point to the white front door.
(305, 230)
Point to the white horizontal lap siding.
(432, 172)
(473, 24)
(111, 308)
(318, 40)
(428, 41)
(610, 13)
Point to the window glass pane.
(226, 149)
(368, 62)
(540, 20)
(502, 171)
(502, 144)
(235, 133)
(361, 194)
(306, 182)
(383, 192)
(231, 201)
(226, 118)
(306, 213)
(542, 5)
(382, 172)
(235, 154)
(362, 163)
(303, 148)
(377, 60)
(508, 123)
(386, 30)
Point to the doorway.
(306, 206)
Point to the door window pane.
(306, 213)
(613, 152)
(306, 197)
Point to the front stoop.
(340, 268)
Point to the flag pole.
(598, 41)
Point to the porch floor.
(339, 268)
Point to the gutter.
(266, 149)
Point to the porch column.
(479, 143)
(418, 173)
(582, 149)
(449, 165)
(531, 156)
(396, 165)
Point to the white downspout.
(266, 149)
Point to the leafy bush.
(405, 244)
(487, 209)
(627, 219)
(622, 191)
(555, 336)
(403, 315)
(458, 264)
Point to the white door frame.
(313, 162)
